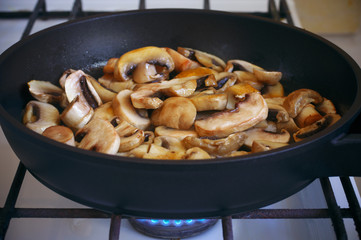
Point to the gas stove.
(326, 209)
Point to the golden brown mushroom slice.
(38, 116)
(61, 134)
(260, 134)
(176, 112)
(217, 147)
(265, 145)
(143, 65)
(204, 58)
(98, 135)
(246, 114)
(298, 99)
(181, 63)
(172, 132)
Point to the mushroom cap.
(246, 114)
(176, 112)
(129, 61)
(61, 134)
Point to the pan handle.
(345, 152)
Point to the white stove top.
(34, 195)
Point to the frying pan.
(183, 189)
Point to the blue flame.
(169, 222)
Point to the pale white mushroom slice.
(77, 113)
(104, 93)
(265, 145)
(298, 99)
(172, 132)
(38, 116)
(98, 135)
(181, 63)
(217, 147)
(123, 107)
(61, 134)
(204, 58)
(316, 127)
(145, 64)
(260, 134)
(139, 151)
(176, 112)
(77, 84)
(196, 153)
(246, 114)
(47, 92)
(64, 76)
(307, 116)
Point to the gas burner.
(171, 228)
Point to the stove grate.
(334, 212)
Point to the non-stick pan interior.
(305, 60)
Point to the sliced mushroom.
(196, 153)
(260, 134)
(237, 93)
(237, 153)
(145, 64)
(276, 112)
(123, 127)
(181, 63)
(61, 134)
(206, 59)
(130, 142)
(265, 145)
(170, 143)
(77, 84)
(224, 81)
(199, 71)
(98, 135)
(38, 116)
(263, 76)
(177, 133)
(47, 92)
(240, 65)
(326, 107)
(122, 107)
(109, 82)
(109, 67)
(206, 102)
(149, 96)
(176, 112)
(272, 91)
(267, 77)
(290, 126)
(64, 76)
(105, 111)
(250, 78)
(246, 114)
(139, 151)
(316, 127)
(159, 152)
(148, 137)
(104, 93)
(298, 99)
(307, 116)
(217, 147)
(185, 89)
(77, 114)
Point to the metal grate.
(333, 212)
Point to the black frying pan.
(183, 189)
